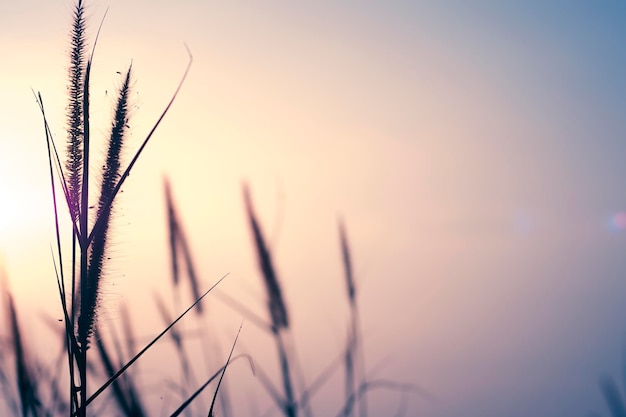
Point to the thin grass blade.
(149, 345)
(189, 400)
(126, 173)
(224, 371)
(247, 313)
(119, 393)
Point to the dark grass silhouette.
(125, 393)
(30, 402)
(93, 364)
(275, 304)
(88, 245)
(180, 248)
(353, 350)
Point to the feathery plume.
(110, 178)
(75, 109)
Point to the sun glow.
(9, 217)
(21, 212)
(8, 211)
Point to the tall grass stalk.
(75, 157)
(354, 348)
(179, 247)
(275, 304)
(80, 316)
(68, 314)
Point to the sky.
(474, 150)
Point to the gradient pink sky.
(474, 148)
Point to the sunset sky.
(475, 149)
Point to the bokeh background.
(475, 150)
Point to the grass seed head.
(276, 304)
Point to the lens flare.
(618, 221)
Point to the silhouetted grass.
(90, 291)
(73, 164)
(275, 304)
(179, 247)
(352, 331)
(26, 382)
(88, 246)
(90, 374)
(124, 391)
